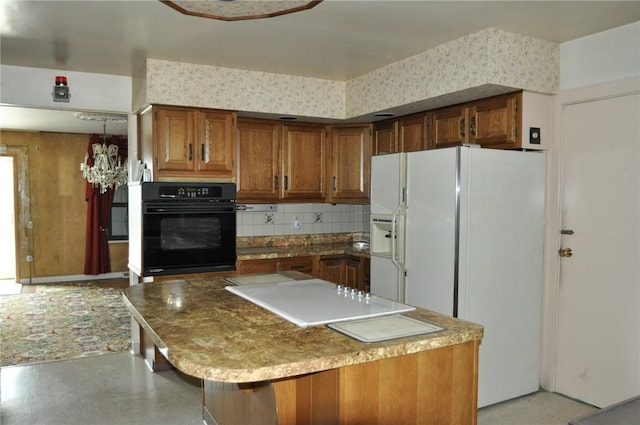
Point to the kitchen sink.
(361, 245)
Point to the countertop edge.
(319, 365)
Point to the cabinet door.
(216, 151)
(303, 163)
(411, 132)
(332, 269)
(493, 121)
(352, 275)
(385, 137)
(366, 274)
(174, 139)
(258, 176)
(449, 127)
(350, 163)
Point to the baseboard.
(74, 278)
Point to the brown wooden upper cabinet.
(412, 132)
(493, 122)
(280, 162)
(385, 137)
(349, 164)
(303, 162)
(406, 134)
(258, 177)
(187, 142)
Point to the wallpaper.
(485, 59)
(175, 83)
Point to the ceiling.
(336, 40)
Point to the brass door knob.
(565, 252)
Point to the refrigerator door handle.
(397, 256)
(395, 240)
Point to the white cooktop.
(316, 302)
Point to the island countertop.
(208, 332)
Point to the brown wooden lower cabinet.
(273, 265)
(346, 270)
(434, 387)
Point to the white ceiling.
(337, 39)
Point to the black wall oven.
(188, 227)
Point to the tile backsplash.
(299, 219)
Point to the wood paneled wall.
(56, 194)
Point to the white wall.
(32, 87)
(607, 56)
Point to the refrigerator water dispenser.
(381, 234)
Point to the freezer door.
(431, 229)
(387, 182)
(387, 225)
(386, 280)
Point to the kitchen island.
(258, 368)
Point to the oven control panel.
(179, 190)
(190, 192)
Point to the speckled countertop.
(264, 247)
(208, 332)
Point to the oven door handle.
(191, 209)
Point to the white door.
(598, 330)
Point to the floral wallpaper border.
(486, 60)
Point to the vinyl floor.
(119, 389)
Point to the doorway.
(7, 222)
(598, 298)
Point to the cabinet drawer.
(257, 266)
(299, 264)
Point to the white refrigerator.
(460, 231)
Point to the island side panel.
(430, 387)
(434, 387)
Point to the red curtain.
(97, 259)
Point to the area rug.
(62, 322)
